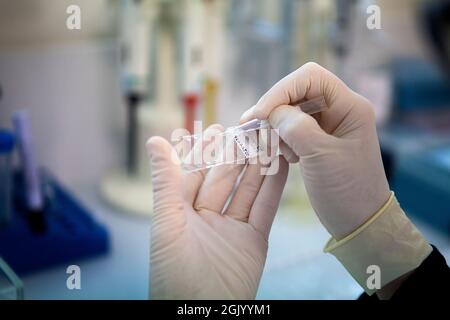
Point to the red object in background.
(190, 102)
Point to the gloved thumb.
(166, 182)
(298, 130)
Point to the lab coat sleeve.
(430, 281)
(384, 248)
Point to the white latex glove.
(339, 151)
(198, 251)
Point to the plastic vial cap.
(6, 141)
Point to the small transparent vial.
(236, 144)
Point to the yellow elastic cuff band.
(332, 243)
(387, 242)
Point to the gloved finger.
(166, 181)
(248, 188)
(266, 202)
(273, 145)
(307, 82)
(288, 153)
(193, 180)
(298, 130)
(218, 185)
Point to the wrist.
(351, 224)
(388, 241)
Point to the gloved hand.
(338, 149)
(198, 249)
(343, 173)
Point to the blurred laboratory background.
(77, 105)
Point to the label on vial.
(247, 143)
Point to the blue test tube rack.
(70, 232)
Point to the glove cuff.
(388, 240)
